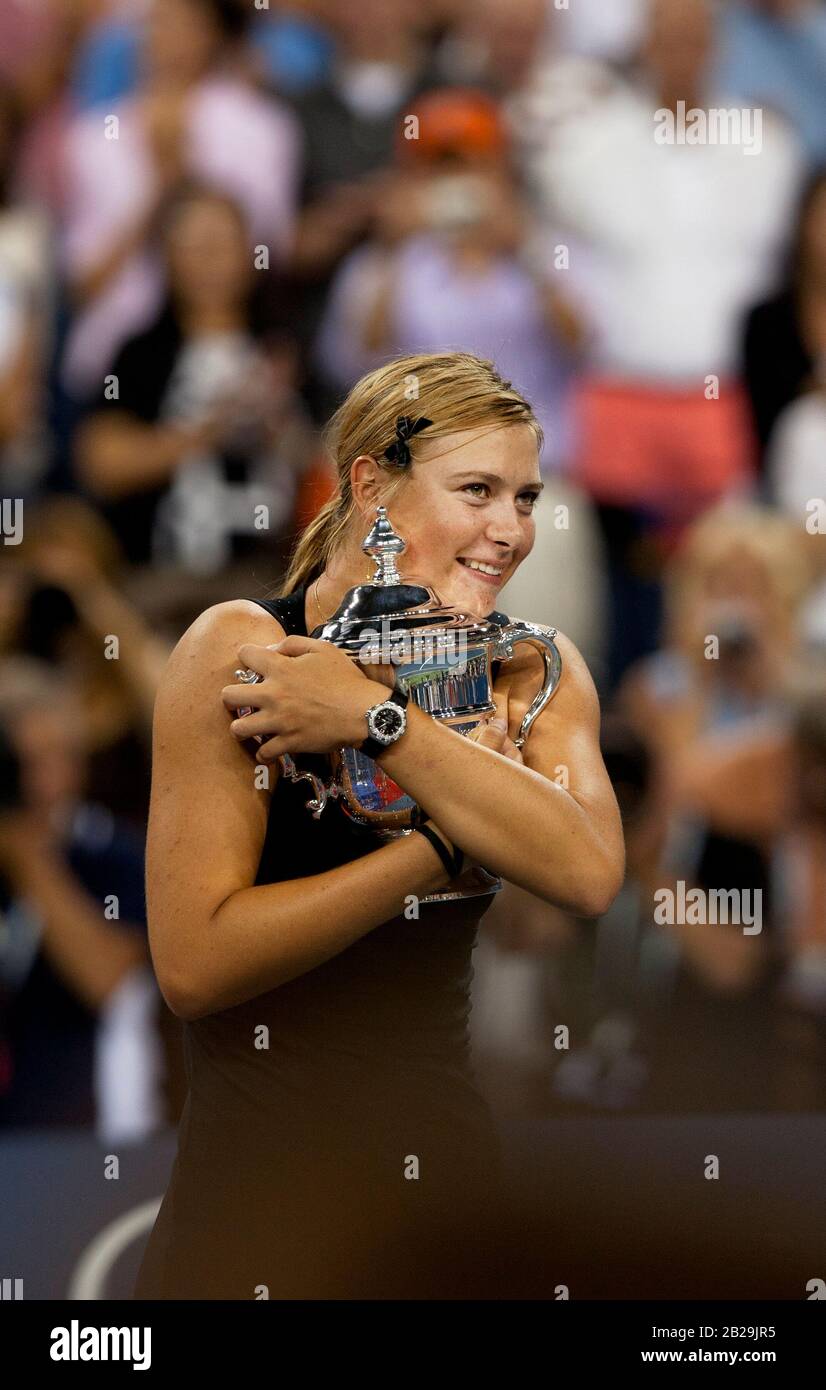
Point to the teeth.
(477, 565)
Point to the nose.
(504, 528)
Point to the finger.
(510, 750)
(237, 696)
(383, 675)
(296, 645)
(272, 749)
(260, 659)
(489, 736)
(250, 724)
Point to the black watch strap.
(371, 747)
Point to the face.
(469, 496)
(737, 601)
(207, 254)
(181, 39)
(513, 33)
(374, 25)
(679, 42)
(740, 579)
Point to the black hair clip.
(399, 451)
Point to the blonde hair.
(772, 539)
(456, 390)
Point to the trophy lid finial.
(384, 544)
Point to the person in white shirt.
(670, 243)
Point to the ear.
(365, 482)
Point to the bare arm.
(216, 939)
(551, 826)
(117, 454)
(85, 285)
(740, 786)
(91, 954)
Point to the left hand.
(313, 697)
(497, 738)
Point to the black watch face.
(387, 721)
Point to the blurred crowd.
(215, 215)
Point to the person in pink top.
(190, 116)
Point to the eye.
(532, 495)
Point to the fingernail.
(498, 724)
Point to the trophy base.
(474, 882)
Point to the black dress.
(333, 1143)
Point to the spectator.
(206, 429)
(735, 590)
(785, 336)
(674, 241)
(187, 117)
(453, 262)
(73, 954)
(26, 304)
(496, 44)
(70, 611)
(39, 47)
(349, 124)
(290, 48)
(768, 785)
(295, 47)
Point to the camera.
(455, 202)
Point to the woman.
(332, 1113)
(707, 707)
(205, 429)
(190, 115)
(454, 258)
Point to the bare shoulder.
(193, 751)
(208, 649)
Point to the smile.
(490, 573)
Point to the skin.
(209, 271)
(89, 953)
(505, 227)
(181, 43)
(213, 935)
(677, 49)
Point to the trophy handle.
(321, 791)
(543, 639)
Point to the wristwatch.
(386, 722)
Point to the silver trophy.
(443, 658)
